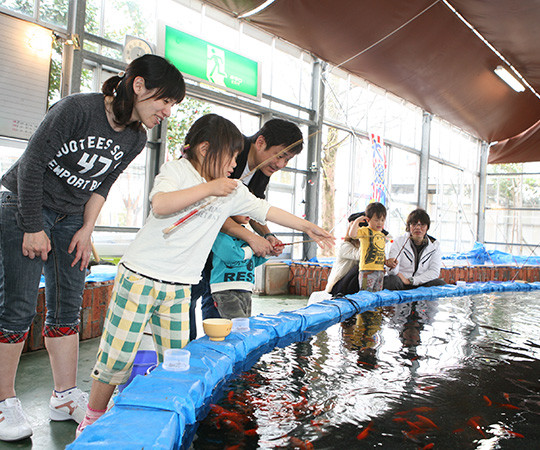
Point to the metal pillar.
(314, 146)
(423, 180)
(71, 53)
(481, 226)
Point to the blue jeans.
(20, 275)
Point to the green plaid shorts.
(135, 302)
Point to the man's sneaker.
(13, 422)
(68, 405)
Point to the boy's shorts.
(371, 280)
(233, 303)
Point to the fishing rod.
(183, 219)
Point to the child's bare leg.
(100, 395)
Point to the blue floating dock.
(160, 410)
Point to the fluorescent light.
(265, 5)
(509, 79)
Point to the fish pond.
(452, 373)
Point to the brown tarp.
(435, 61)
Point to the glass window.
(21, 6)
(124, 205)
(403, 171)
(54, 12)
(335, 95)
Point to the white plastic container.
(240, 324)
(461, 283)
(176, 359)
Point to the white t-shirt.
(180, 255)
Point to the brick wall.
(94, 307)
(307, 278)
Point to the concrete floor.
(34, 381)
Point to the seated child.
(233, 274)
(372, 244)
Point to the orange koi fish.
(428, 446)
(513, 433)
(413, 425)
(474, 424)
(409, 435)
(508, 406)
(364, 433)
(427, 421)
(300, 444)
(488, 401)
(506, 396)
(428, 388)
(252, 432)
(420, 409)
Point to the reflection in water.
(450, 373)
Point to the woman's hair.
(280, 132)
(354, 241)
(418, 215)
(158, 73)
(224, 140)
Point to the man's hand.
(391, 262)
(260, 245)
(277, 245)
(404, 279)
(36, 245)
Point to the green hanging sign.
(212, 64)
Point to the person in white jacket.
(347, 258)
(417, 254)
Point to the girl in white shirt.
(155, 274)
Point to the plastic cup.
(240, 324)
(176, 360)
(461, 283)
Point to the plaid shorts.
(136, 301)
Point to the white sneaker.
(13, 422)
(69, 405)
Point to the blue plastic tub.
(144, 359)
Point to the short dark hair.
(418, 215)
(280, 132)
(375, 209)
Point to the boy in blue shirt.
(233, 274)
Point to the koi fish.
(413, 425)
(252, 432)
(508, 405)
(513, 433)
(488, 401)
(427, 421)
(474, 424)
(428, 388)
(409, 435)
(458, 430)
(300, 444)
(230, 396)
(428, 446)
(364, 433)
(420, 409)
(506, 396)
